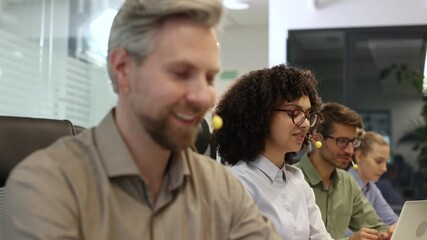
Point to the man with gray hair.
(134, 176)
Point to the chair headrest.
(20, 136)
(203, 138)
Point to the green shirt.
(343, 205)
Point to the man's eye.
(182, 74)
(210, 79)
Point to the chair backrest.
(204, 141)
(78, 129)
(20, 136)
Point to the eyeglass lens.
(298, 117)
(343, 142)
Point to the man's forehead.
(343, 130)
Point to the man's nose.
(201, 93)
(349, 149)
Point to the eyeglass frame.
(291, 114)
(347, 141)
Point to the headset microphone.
(317, 144)
(355, 166)
(217, 122)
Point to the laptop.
(412, 223)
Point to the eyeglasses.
(299, 116)
(342, 142)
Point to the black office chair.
(20, 136)
(78, 129)
(204, 141)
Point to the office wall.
(286, 15)
(242, 49)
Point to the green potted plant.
(417, 134)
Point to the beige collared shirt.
(88, 187)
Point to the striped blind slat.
(59, 90)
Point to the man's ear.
(120, 61)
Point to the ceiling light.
(236, 4)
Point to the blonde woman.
(371, 158)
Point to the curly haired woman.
(267, 114)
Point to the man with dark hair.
(338, 195)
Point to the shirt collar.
(362, 185)
(118, 160)
(268, 168)
(309, 170)
(311, 173)
(114, 153)
(179, 168)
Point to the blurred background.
(369, 55)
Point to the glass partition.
(377, 71)
(49, 66)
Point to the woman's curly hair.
(247, 107)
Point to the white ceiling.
(254, 16)
(257, 15)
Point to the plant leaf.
(422, 157)
(384, 73)
(416, 136)
(399, 76)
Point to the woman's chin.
(296, 147)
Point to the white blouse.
(284, 197)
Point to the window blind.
(37, 83)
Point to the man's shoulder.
(342, 173)
(302, 162)
(71, 150)
(294, 170)
(307, 170)
(206, 166)
(65, 156)
(346, 179)
(211, 172)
